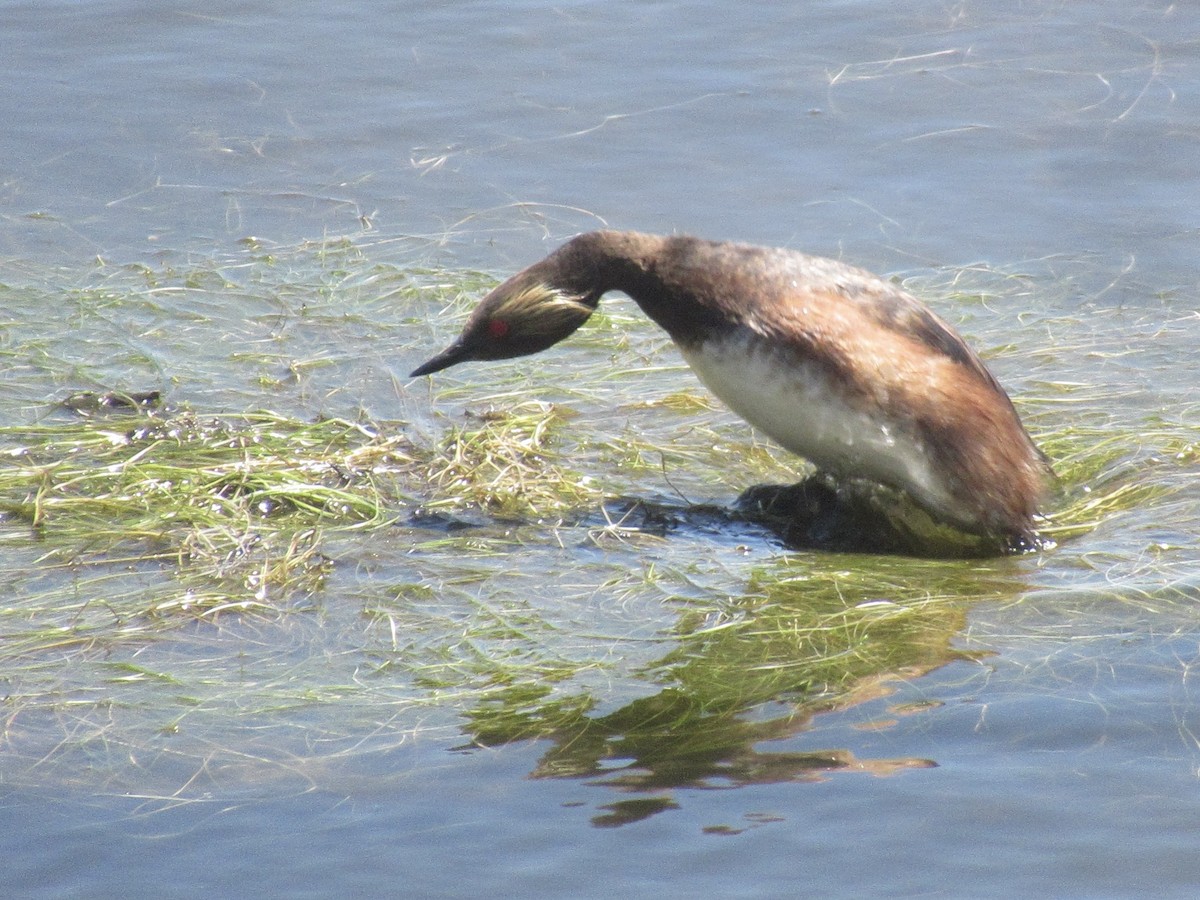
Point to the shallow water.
(224, 202)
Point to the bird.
(835, 364)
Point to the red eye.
(498, 329)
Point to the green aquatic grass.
(237, 508)
(502, 461)
(139, 522)
(143, 523)
(274, 593)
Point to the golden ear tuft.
(541, 309)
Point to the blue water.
(1061, 140)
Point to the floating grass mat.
(252, 596)
(240, 501)
(503, 461)
(1102, 475)
(144, 477)
(200, 516)
(196, 601)
(235, 510)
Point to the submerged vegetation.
(521, 571)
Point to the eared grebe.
(837, 365)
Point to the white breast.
(795, 403)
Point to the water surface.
(226, 201)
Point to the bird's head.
(524, 315)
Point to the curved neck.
(638, 265)
(601, 261)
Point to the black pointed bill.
(452, 355)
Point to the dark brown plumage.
(837, 365)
